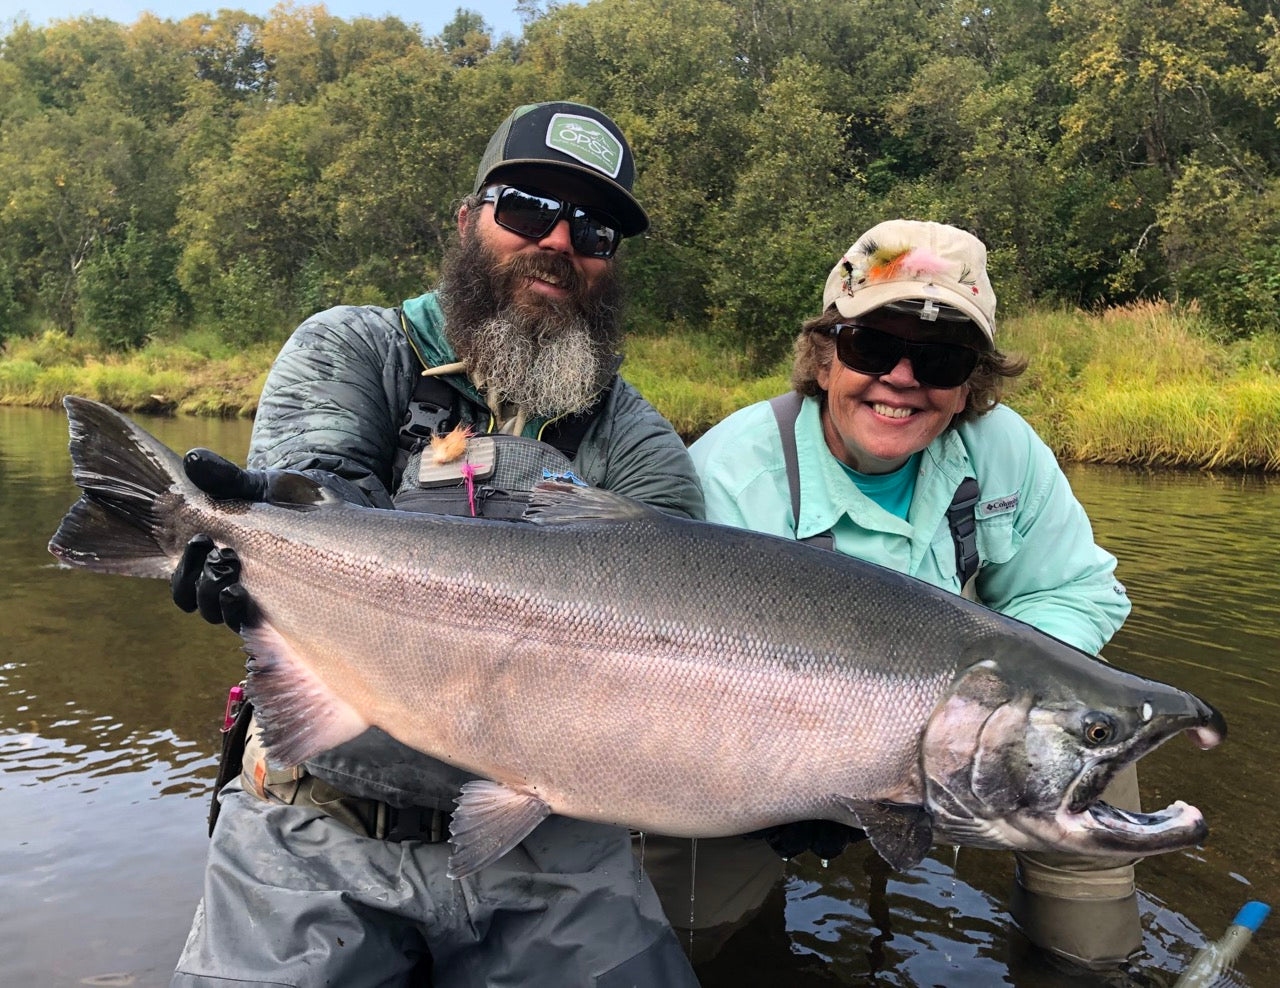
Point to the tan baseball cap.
(938, 271)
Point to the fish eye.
(1098, 729)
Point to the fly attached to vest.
(493, 476)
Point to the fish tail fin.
(131, 485)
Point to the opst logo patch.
(585, 140)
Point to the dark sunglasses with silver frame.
(872, 351)
(534, 214)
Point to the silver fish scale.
(571, 660)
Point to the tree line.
(236, 172)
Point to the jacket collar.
(423, 324)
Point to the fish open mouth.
(1177, 825)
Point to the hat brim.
(872, 297)
(576, 183)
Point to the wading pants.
(293, 897)
(1084, 909)
(731, 880)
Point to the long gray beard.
(537, 356)
(545, 378)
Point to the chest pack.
(960, 513)
(507, 466)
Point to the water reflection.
(110, 701)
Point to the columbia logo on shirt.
(998, 505)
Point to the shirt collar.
(826, 493)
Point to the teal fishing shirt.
(1039, 562)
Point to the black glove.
(224, 481)
(208, 580)
(825, 838)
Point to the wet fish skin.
(611, 663)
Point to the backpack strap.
(786, 409)
(433, 410)
(964, 529)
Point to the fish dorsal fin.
(299, 714)
(557, 502)
(900, 834)
(490, 820)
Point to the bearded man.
(334, 873)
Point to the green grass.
(694, 382)
(196, 374)
(1148, 383)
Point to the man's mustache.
(545, 266)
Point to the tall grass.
(197, 374)
(1148, 383)
(694, 382)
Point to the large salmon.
(604, 661)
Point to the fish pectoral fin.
(901, 834)
(299, 714)
(490, 820)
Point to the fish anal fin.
(901, 834)
(490, 820)
(300, 715)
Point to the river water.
(111, 699)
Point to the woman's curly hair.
(815, 350)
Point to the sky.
(431, 15)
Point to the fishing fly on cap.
(930, 267)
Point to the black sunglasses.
(875, 352)
(534, 215)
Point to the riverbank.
(1145, 384)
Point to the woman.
(896, 406)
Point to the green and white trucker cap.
(566, 149)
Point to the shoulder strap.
(433, 410)
(565, 433)
(786, 409)
(964, 529)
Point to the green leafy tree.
(260, 202)
(668, 72)
(783, 225)
(466, 38)
(127, 288)
(409, 138)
